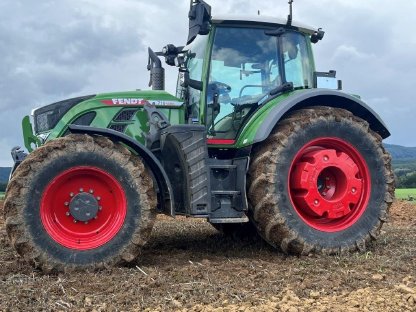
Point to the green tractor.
(255, 137)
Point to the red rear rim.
(329, 184)
(83, 208)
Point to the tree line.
(406, 181)
(3, 187)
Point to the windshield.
(246, 64)
(194, 59)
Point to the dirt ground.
(189, 266)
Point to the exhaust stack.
(157, 72)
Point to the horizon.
(389, 144)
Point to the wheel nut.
(75, 221)
(86, 222)
(95, 217)
(100, 208)
(316, 202)
(71, 194)
(81, 190)
(98, 198)
(326, 158)
(66, 204)
(68, 214)
(91, 191)
(354, 190)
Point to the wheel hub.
(84, 207)
(325, 183)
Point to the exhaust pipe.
(157, 72)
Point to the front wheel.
(321, 182)
(80, 202)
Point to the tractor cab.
(232, 65)
(241, 65)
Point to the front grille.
(119, 128)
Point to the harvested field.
(189, 266)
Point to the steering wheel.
(220, 88)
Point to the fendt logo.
(125, 102)
(140, 102)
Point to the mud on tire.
(293, 206)
(38, 201)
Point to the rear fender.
(165, 196)
(320, 97)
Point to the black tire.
(280, 220)
(25, 195)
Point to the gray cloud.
(51, 50)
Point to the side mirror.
(199, 19)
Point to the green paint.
(249, 131)
(405, 193)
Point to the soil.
(189, 266)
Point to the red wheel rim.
(329, 184)
(92, 183)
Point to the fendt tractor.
(255, 138)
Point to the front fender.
(260, 127)
(166, 198)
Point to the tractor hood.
(120, 111)
(47, 117)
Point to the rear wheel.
(321, 182)
(80, 202)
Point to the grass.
(1, 195)
(405, 193)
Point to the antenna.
(290, 16)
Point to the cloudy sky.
(52, 50)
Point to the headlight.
(47, 117)
(44, 121)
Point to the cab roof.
(262, 19)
